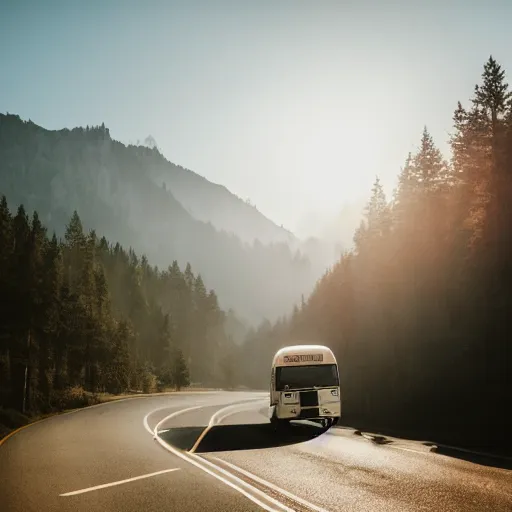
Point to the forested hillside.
(127, 194)
(419, 313)
(82, 314)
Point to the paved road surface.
(216, 451)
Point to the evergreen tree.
(377, 222)
(180, 374)
(117, 371)
(20, 323)
(51, 329)
(7, 285)
(429, 172)
(74, 249)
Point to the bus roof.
(296, 355)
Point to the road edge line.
(243, 482)
(173, 415)
(188, 458)
(78, 409)
(272, 486)
(19, 429)
(10, 434)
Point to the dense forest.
(133, 195)
(419, 312)
(81, 316)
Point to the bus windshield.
(297, 377)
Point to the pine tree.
(164, 343)
(493, 96)
(20, 309)
(7, 285)
(403, 195)
(429, 172)
(180, 372)
(189, 276)
(75, 248)
(117, 371)
(377, 222)
(51, 329)
(493, 100)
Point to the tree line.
(418, 313)
(80, 316)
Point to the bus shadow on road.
(222, 438)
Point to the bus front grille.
(309, 398)
(309, 413)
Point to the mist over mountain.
(133, 195)
(210, 202)
(325, 237)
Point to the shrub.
(149, 383)
(12, 419)
(73, 398)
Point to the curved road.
(215, 451)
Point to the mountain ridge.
(192, 202)
(115, 190)
(196, 194)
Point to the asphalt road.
(217, 452)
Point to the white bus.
(305, 384)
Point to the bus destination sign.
(304, 358)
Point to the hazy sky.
(296, 105)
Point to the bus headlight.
(289, 397)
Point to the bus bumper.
(294, 411)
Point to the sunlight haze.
(294, 105)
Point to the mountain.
(133, 195)
(210, 202)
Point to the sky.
(295, 105)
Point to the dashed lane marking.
(119, 482)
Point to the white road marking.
(200, 464)
(408, 449)
(145, 422)
(242, 482)
(172, 415)
(219, 416)
(96, 487)
(223, 480)
(237, 408)
(272, 486)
